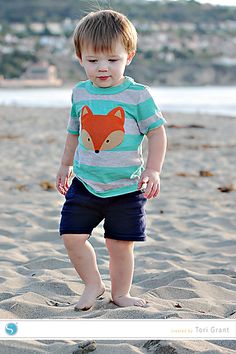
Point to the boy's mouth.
(103, 77)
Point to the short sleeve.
(149, 115)
(74, 120)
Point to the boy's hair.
(101, 29)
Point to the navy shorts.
(124, 215)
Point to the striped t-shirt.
(111, 124)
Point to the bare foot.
(90, 294)
(127, 300)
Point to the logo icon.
(11, 329)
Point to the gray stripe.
(73, 124)
(144, 124)
(131, 127)
(102, 187)
(108, 158)
(128, 96)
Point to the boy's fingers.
(58, 180)
(157, 191)
(148, 190)
(153, 192)
(61, 189)
(66, 182)
(61, 184)
(58, 185)
(144, 180)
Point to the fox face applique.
(102, 132)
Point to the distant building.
(36, 75)
(18, 28)
(54, 28)
(37, 27)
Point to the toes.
(101, 296)
(89, 300)
(124, 301)
(140, 303)
(76, 308)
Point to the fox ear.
(117, 112)
(86, 110)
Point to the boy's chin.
(104, 84)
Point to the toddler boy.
(110, 116)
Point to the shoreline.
(207, 100)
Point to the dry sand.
(186, 268)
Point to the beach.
(187, 267)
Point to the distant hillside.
(56, 10)
(180, 42)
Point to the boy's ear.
(130, 57)
(80, 61)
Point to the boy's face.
(106, 69)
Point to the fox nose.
(97, 151)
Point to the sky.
(219, 2)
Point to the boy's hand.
(150, 181)
(63, 175)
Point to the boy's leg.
(121, 272)
(83, 258)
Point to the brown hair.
(101, 29)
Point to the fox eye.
(88, 139)
(107, 141)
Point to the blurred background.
(181, 44)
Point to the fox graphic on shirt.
(102, 131)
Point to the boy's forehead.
(116, 48)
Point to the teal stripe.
(130, 143)
(73, 112)
(133, 86)
(105, 106)
(156, 124)
(147, 109)
(105, 174)
(72, 132)
(80, 84)
(137, 87)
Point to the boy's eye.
(92, 60)
(113, 60)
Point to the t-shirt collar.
(109, 90)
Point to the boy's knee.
(73, 240)
(118, 245)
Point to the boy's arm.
(150, 177)
(65, 170)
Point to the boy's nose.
(102, 67)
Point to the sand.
(185, 269)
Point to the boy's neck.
(126, 82)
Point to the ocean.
(216, 100)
